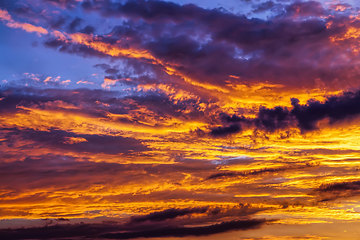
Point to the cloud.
(335, 108)
(306, 117)
(168, 214)
(344, 186)
(272, 119)
(230, 174)
(156, 105)
(65, 167)
(108, 83)
(189, 231)
(178, 81)
(265, 6)
(171, 222)
(64, 3)
(281, 49)
(306, 9)
(57, 231)
(108, 231)
(89, 143)
(332, 191)
(10, 22)
(224, 131)
(12, 98)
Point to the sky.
(139, 119)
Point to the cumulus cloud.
(282, 49)
(306, 117)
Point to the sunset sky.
(183, 119)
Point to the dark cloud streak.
(101, 231)
(333, 191)
(168, 214)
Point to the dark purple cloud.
(108, 231)
(333, 191)
(98, 103)
(226, 130)
(157, 224)
(90, 143)
(75, 231)
(291, 48)
(189, 231)
(63, 3)
(168, 214)
(305, 9)
(272, 119)
(231, 174)
(335, 108)
(344, 186)
(305, 117)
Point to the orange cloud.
(108, 83)
(6, 17)
(73, 140)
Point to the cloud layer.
(159, 119)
